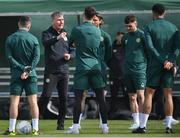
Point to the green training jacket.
(22, 49)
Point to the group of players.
(149, 63)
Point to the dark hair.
(89, 12)
(24, 20)
(100, 18)
(158, 9)
(129, 19)
(56, 13)
(119, 33)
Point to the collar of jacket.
(56, 32)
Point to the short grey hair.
(55, 14)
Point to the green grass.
(118, 128)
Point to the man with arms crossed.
(162, 41)
(22, 51)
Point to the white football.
(23, 127)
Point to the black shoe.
(10, 133)
(60, 127)
(139, 130)
(169, 130)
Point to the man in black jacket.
(56, 75)
(116, 72)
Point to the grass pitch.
(89, 128)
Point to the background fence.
(114, 21)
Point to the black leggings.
(60, 82)
(100, 99)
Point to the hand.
(27, 69)
(62, 36)
(168, 65)
(67, 56)
(174, 71)
(24, 75)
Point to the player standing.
(163, 43)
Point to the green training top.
(105, 50)
(135, 52)
(22, 49)
(163, 42)
(86, 38)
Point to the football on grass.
(23, 127)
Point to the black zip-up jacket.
(54, 52)
(116, 62)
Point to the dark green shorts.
(18, 85)
(83, 80)
(135, 82)
(160, 78)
